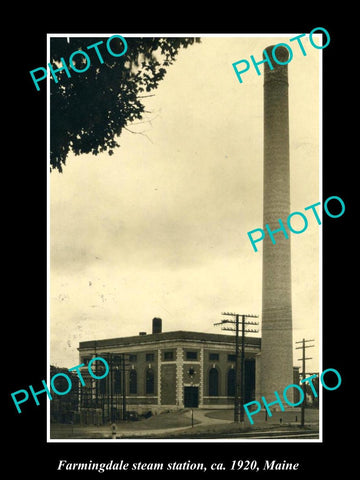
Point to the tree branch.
(138, 133)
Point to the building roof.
(179, 335)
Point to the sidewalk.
(202, 417)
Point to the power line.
(118, 362)
(303, 359)
(239, 376)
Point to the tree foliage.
(90, 109)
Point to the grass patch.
(162, 420)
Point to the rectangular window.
(231, 357)
(191, 355)
(213, 356)
(132, 358)
(168, 356)
(150, 357)
(85, 360)
(116, 360)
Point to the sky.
(159, 229)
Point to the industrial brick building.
(167, 370)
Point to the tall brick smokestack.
(277, 342)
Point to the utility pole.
(117, 363)
(123, 388)
(303, 359)
(111, 388)
(239, 372)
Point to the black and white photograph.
(160, 263)
(183, 263)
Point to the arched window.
(150, 381)
(213, 382)
(231, 380)
(133, 381)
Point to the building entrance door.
(191, 397)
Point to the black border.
(29, 453)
